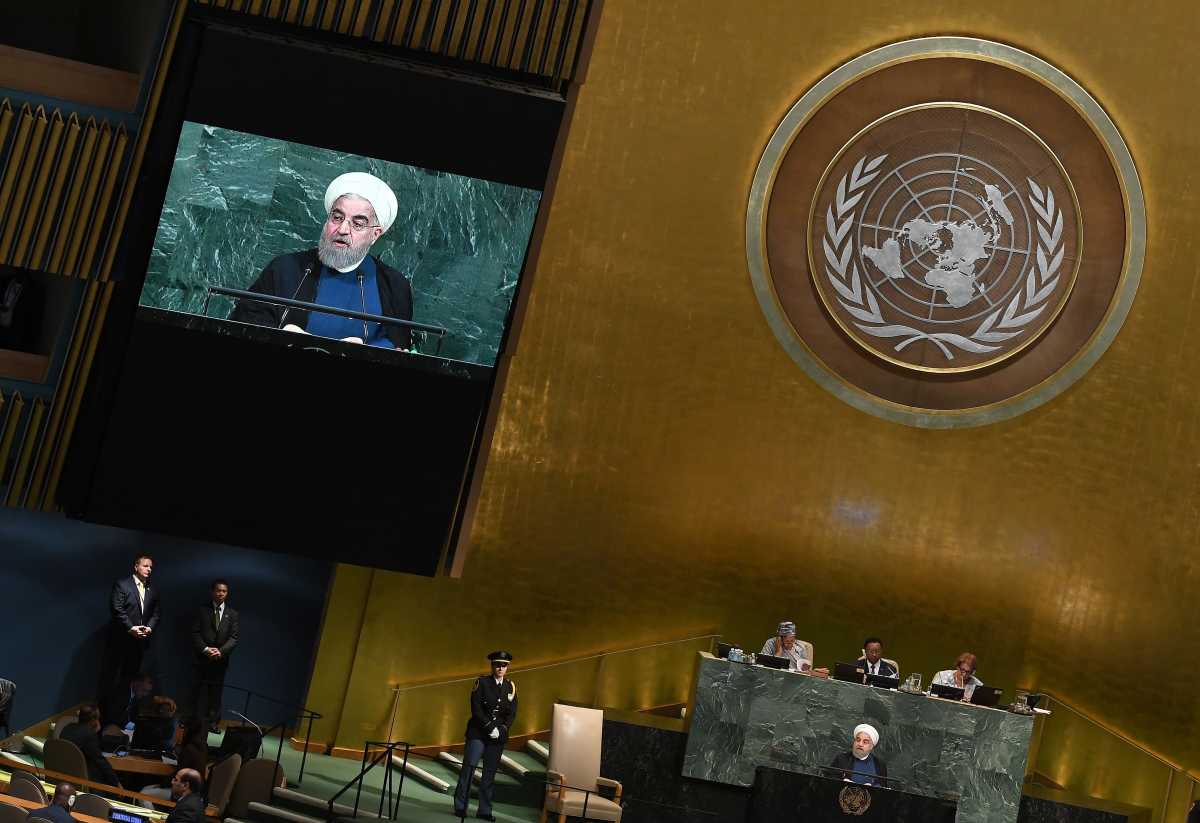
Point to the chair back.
(30, 781)
(12, 814)
(64, 757)
(221, 780)
(575, 736)
(92, 804)
(255, 783)
(26, 790)
(61, 723)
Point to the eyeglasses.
(358, 222)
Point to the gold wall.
(662, 469)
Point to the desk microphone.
(307, 272)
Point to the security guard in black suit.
(493, 710)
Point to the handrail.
(386, 752)
(299, 712)
(1100, 724)
(401, 687)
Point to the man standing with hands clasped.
(135, 611)
(493, 710)
(214, 636)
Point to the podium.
(781, 796)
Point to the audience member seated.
(193, 754)
(187, 790)
(860, 764)
(59, 810)
(142, 703)
(872, 661)
(8, 691)
(85, 733)
(962, 675)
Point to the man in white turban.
(861, 764)
(340, 272)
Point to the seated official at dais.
(961, 676)
(860, 764)
(872, 661)
(784, 644)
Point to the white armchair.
(573, 773)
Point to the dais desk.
(743, 717)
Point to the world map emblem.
(949, 241)
(946, 232)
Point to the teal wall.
(236, 200)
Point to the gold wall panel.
(662, 469)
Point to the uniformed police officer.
(493, 710)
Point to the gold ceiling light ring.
(915, 232)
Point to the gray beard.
(338, 258)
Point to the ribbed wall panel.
(540, 38)
(57, 182)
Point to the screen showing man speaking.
(256, 231)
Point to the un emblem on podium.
(946, 232)
(854, 800)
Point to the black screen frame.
(118, 474)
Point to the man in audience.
(135, 612)
(85, 733)
(187, 790)
(214, 636)
(8, 690)
(59, 810)
(860, 764)
(962, 675)
(872, 661)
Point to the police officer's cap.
(500, 657)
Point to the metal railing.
(376, 752)
(587, 679)
(296, 713)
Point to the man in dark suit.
(135, 611)
(214, 637)
(493, 710)
(872, 661)
(59, 810)
(861, 764)
(187, 790)
(85, 733)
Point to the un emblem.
(854, 800)
(916, 232)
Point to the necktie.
(217, 618)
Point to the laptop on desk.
(948, 692)
(771, 661)
(848, 672)
(987, 696)
(882, 681)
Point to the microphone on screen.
(362, 295)
(307, 272)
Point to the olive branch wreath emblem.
(1002, 324)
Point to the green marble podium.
(743, 717)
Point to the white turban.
(370, 188)
(870, 731)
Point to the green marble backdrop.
(237, 200)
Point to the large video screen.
(300, 224)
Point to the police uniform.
(493, 710)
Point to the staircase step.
(422, 775)
(32, 744)
(453, 761)
(294, 800)
(512, 766)
(529, 762)
(274, 814)
(538, 749)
